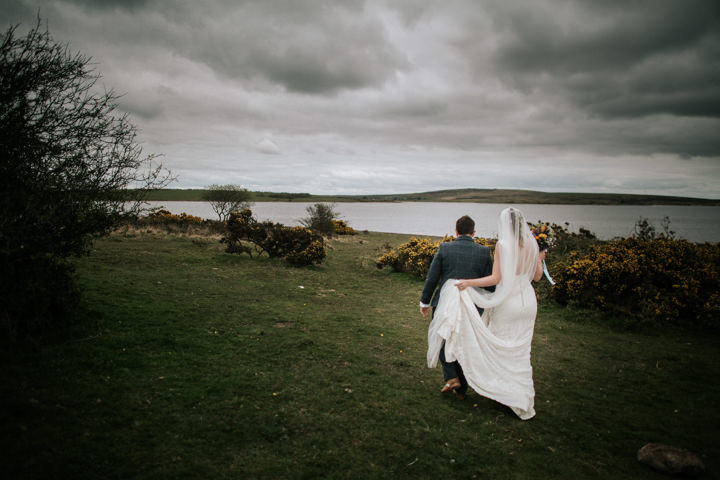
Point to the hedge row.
(652, 279)
(662, 280)
(415, 256)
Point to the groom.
(460, 259)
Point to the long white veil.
(517, 252)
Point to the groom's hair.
(465, 225)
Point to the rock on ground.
(670, 459)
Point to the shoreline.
(452, 196)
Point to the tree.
(225, 199)
(320, 218)
(66, 161)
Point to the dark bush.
(296, 245)
(644, 230)
(38, 296)
(320, 218)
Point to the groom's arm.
(432, 278)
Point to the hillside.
(457, 195)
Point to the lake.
(694, 223)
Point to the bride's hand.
(461, 285)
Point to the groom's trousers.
(452, 369)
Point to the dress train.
(493, 350)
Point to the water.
(694, 223)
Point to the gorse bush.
(660, 281)
(412, 257)
(182, 223)
(566, 241)
(296, 245)
(342, 228)
(302, 247)
(415, 256)
(165, 216)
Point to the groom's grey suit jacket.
(460, 259)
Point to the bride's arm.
(490, 280)
(539, 267)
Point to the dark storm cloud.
(308, 47)
(148, 103)
(401, 95)
(105, 4)
(323, 65)
(14, 12)
(615, 59)
(569, 37)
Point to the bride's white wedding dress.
(494, 350)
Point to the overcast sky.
(390, 96)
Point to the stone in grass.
(672, 460)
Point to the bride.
(494, 349)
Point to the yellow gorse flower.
(664, 280)
(416, 255)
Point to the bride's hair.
(516, 219)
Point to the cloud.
(308, 47)
(378, 96)
(268, 146)
(112, 4)
(615, 59)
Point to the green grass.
(194, 363)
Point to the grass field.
(194, 363)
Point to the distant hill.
(531, 196)
(475, 195)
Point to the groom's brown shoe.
(460, 396)
(451, 384)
